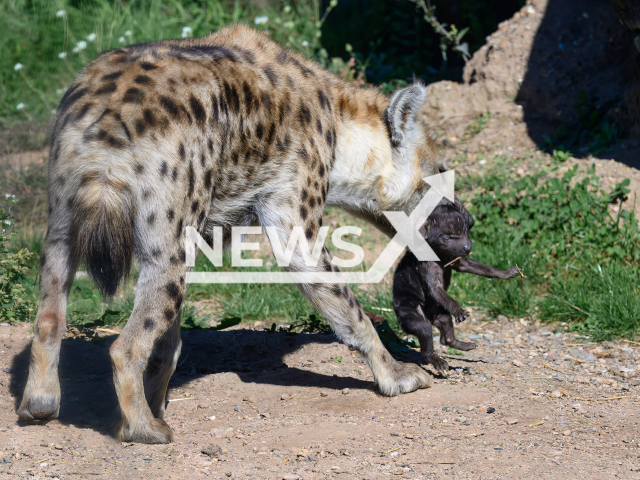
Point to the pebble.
(324, 394)
(518, 363)
(490, 410)
(345, 391)
(290, 476)
(284, 396)
(512, 421)
(212, 451)
(556, 393)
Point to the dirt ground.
(261, 405)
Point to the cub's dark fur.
(420, 296)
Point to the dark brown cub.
(420, 296)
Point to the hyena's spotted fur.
(225, 130)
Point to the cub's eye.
(447, 239)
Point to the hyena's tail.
(103, 228)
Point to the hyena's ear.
(400, 115)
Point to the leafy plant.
(15, 304)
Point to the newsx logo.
(407, 235)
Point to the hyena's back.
(154, 137)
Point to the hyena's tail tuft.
(104, 229)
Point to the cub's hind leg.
(444, 323)
(413, 321)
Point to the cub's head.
(447, 230)
(413, 151)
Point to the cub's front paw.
(461, 315)
(439, 363)
(510, 273)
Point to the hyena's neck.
(364, 179)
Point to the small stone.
(265, 414)
(212, 451)
(566, 433)
(517, 363)
(556, 393)
(6, 370)
(491, 410)
(284, 396)
(212, 418)
(345, 391)
(311, 458)
(290, 476)
(502, 318)
(324, 394)
(512, 421)
(6, 459)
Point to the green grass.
(45, 43)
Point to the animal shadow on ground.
(86, 378)
(582, 74)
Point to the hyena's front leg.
(41, 398)
(159, 294)
(340, 307)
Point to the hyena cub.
(420, 295)
(226, 130)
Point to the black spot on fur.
(169, 314)
(151, 218)
(214, 52)
(140, 127)
(156, 252)
(198, 111)
(319, 126)
(303, 195)
(126, 129)
(43, 260)
(214, 109)
(179, 228)
(329, 138)
(138, 168)
(192, 180)
(321, 170)
(194, 206)
(112, 76)
(201, 217)
(202, 160)
(248, 97)
(324, 101)
(303, 213)
(336, 290)
(174, 174)
(207, 178)
(163, 169)
(304, 115)
(303, 153)
(148, 324)
(210, 145)
(233, 99)
(173, 290)
(170, 214)
(171, 108)
(148, 117)
(308, 233)
(133, 95)
(271, 75)
(312, 202)
(83, 111)
(107, 88)
(260, 131)
(182, 152)
(351, 303)
(72, 95)
(147, 66)
(143, 80)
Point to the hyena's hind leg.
(41, 398)
(340, 307)
(161, 366)
(153, 323)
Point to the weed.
(453, 351)
(15, 304)
(475, 127)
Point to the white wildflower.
(17, 66)
(60, 91)
(186, 32)
(60, 13)
(62, 55)
(305, 43)
(261, 20)
(75, 50)
(121, 40)
(287, 9)
(7, 222)
(20, 106)
(91, 37)
(127, 33)
(81, 45)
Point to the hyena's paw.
(439, 363)
(155, 430)
(39, 408)
(460, 345)
(402, 378)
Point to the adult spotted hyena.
(224, 131)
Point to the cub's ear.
(468, 219)
(400, 115)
